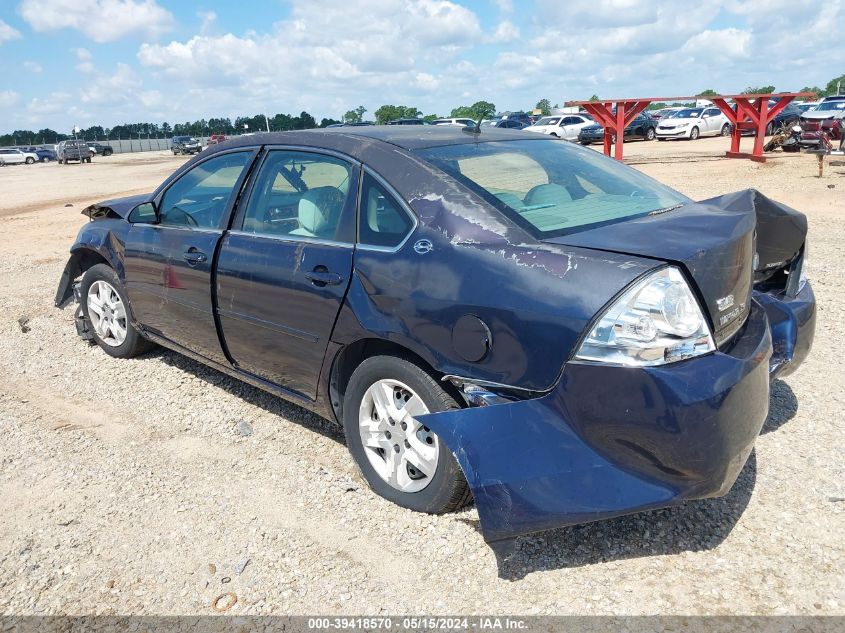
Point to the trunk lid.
(714, 246)
(722, 244)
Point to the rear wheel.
(402, 460)
(105, 306)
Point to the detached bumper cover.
(792, 321)
(609, 441)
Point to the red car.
(828, 116)
(215, 139)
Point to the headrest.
(548, 194)
(317, 208)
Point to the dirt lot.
(140, 486)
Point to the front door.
(168, 264)
(282, 276)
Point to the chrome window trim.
(293, 238)
(402, 203)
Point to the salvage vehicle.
(16, 156)
(642, 127)
(565, 126)
(185, 145)
(100, 149)
(490, 315)
(691, 123)
(73, 150)
(828, 117)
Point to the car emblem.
(725, 302)
(423, 246)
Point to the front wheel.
(693, 135)
(105, 306)
(402, 460)
(30, 160)
(649, 136)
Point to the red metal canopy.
(752, 113)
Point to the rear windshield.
(552, 188)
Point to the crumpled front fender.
(609, 440)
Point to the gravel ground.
(145, 486)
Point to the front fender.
(98, 241)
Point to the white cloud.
(505, 32)
(33, 67)
(8, 33)
(84, 56)
(730, 43)
(208, 19)
(99, 20)
(360, 47)
(9, 98)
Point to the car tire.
(30, 160)
(726, 129)
(444, 488)
(88, 160)
(584, 142)
(660, 139)
(60, 161)
(115, 335)
(693, 134)
(107, 152)
(649, 136)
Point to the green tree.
(595, 98)
(834, 84)
(327, 122)
(478, 110)
(355, 116)
(544, 106)
(708, 93)
(430, 117)
(758, 90)
(390, 112)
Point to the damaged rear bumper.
(608, 441)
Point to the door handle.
(194, 256)
(321, 277)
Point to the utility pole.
(267, 121)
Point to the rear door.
(283, 270)
(168, 264)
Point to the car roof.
(355, 140)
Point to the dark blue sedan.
(489, 315)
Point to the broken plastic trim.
(83, 325)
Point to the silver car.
(15, 156)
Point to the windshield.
(832, 105)
(688, 113)
(552, 188)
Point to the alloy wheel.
(107, 313)
(403, 452)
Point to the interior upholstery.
(319, 211)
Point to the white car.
(460, 121)
(15, 156)
(690, 123)
(562, 125)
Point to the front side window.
(551, 188)
(302, 194)
(382, 220)
(200, 197)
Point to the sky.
(105, 62)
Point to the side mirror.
(144, 213)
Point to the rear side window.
(382, 220)
(552, 188)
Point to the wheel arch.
(82, 257)
(350, 356)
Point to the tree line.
(304, 121)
